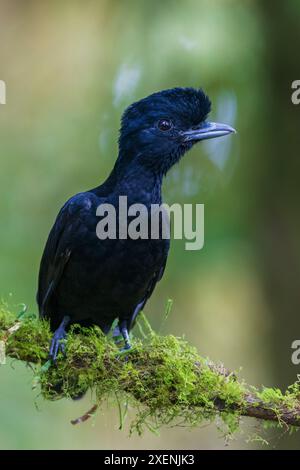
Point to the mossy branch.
(163, 377)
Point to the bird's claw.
(58, 344)
(127, 349)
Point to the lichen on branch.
(163, 378)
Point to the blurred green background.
(70, 69)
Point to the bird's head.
(160, 128)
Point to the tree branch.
(163, 377)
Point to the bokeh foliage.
(70, 69)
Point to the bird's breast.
(114, 273)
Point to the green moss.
(276, 400)
(30, 342)
(163, 378)
(7, 318)
(271, 395)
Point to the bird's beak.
(207, 130)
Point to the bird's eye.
(165, 125)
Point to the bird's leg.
(57, 343)
(125, 334)
(117, 336)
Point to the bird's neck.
(139, 184)
(132, 179)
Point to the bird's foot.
(117, 337)
(57, 344)
(121, 332)
(124, 352)
(127, 348)
(125, 334)
(58, 340)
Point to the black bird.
(89, 281)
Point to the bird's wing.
(66, 234)
(155, 279)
